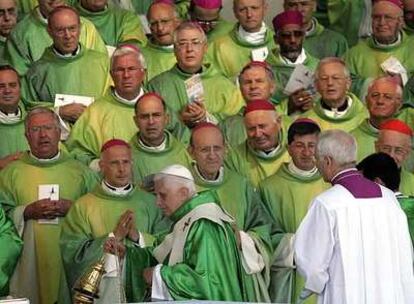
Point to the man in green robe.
(263, 152)
(153, 147)
(250, 39)
(194, 90)
(337, 108)
(65, 68)
(320, 42)
(409, 17)
(8, 20)
(12, 115)
(287, 195)
(29, 39)
(199, 259)
(159, 51)
(39, 189)
(116, 25)
(254, 225)
(115, 208)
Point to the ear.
(136, 120)
(190, 150)
(184, 192)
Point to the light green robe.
(407, 182)
(116, 25)
(159, 59)
(93, 217)
(39, 269)
(3, 59)
(221, 97)
(13, 136)
(223, 27)
(29, 39)
(86, 74)
(365, 135)
(351, 120)
(407, 204)
(287, 196)
(147, 161)
(230, 53)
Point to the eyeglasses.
(61, 31)
(209, 149)
(194, 43)
(162, 22)
(46, 128)
(399, 151)
(387, 18)
(288, 34)
(206, 22)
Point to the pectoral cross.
(187, 223)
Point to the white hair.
(398, 88)
(328, 60)
(189, 25)
(175, 182)
(339, 145)
(126, 50)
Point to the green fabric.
(11, 246)
(230, 53)
(20, 181)
(158, 59)
(323, 42)
(148, 162)
(105, 119)
(88, 71)
(256, 168)
(3, 59)
(366, 136)
(13, 136)
(26, 6)
(407, 204)
(29, 39)
(141, 6)
(222, 28)
(351, 120)
(282, 72)
(116, 25)
(407, 182)
(181, 7)
(287, 196)
(221, 97)
(93, 217)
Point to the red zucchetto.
(397, 126)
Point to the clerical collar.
(165, 47)
(253, 38)
(312, 29)
(267, 154)
(158, 148)
(197, 72)
(41, 16)
(128, 102)
(337, 112)
(46, 160)
(10, 118)
(218, 180)
(73, 54)
(372, 127)
(388, 45)
(302, 173)
(117, 191)
(300, 60)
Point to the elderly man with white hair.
(353, 246)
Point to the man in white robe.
(353, 246)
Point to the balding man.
(8, 20)
(353, 245)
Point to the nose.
(6, 16)
(249, 13)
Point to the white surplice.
(356, 250)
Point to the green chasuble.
(230, 53)
(321, 42)
(407, 182)
(287, 196)
(254, 165)
(141, 6)
(407, 204)
(365, 135)
(223, 27)
(38, 271)
(3, 59)
(26, 6)
(107, 118)
(29, 39)
(12, 134)
(158, 58)
(283, 70)
(221, 97)
(116, 25)
(210, 266)
(11, 247)
(246, 207)
(86, 74)
(354, 115)
(149, 160)
(89, 222)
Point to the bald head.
(163, 20)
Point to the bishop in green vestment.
(8, 21)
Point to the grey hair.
(41, 110)
(327, 60)
(175, 182)
(189, 25)
(339, 145)
(398, 88)
(269, 72)
(174, 9)
(126, 50)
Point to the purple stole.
(357, 184)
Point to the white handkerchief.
(253, 259)
(260, 54)
(65, 99)
(48, 191)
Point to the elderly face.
(302, 150)
(383, 100)
(206, 18)
(116, 166)
(169, 197)
(305, 7)
(395, 144)
(151, 120)
(9, 91)
(386, 22)
(290, 38)
(189, 49)
(46, 6)
(250, 14)
(256, 84)
(163, 23)
(43, 134)
(262, 129)
(64, 28)
(94, 5)
(128, 75)
(8, 17)
(332, 83)
(208, 151)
